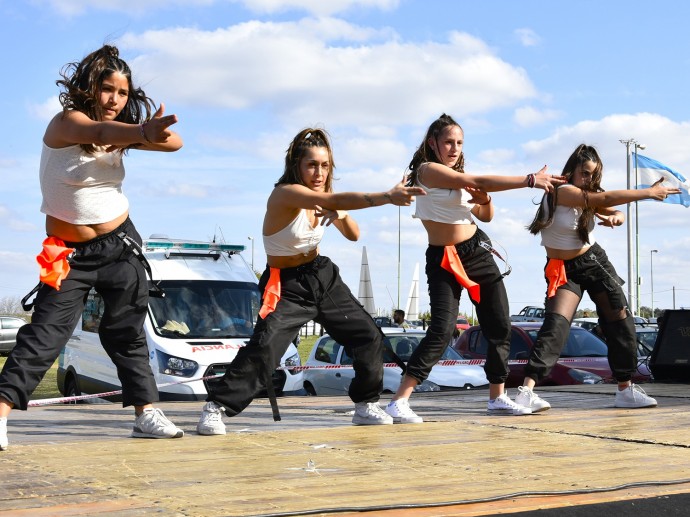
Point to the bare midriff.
(444, 234)
(81, 232)
(554, 253)
(292, 260)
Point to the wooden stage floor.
(79, 460)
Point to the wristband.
(531, 180)
(488, 201)
(142, 128)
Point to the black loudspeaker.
(670, 359)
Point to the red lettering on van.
(207, 348)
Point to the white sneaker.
(633, 397)
(526, 397)
(370, 413)
(153, 424)
(211, 421)
(3, 434)
(504, 406)
(401, 412)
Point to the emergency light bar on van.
(181, 245)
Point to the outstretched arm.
(436, 175)
(299, 196)
(74, 127)
(575, 197)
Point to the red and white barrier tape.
(447, 362)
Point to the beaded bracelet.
(531, 180)
(142, 130)
(487, 202)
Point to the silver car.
(331, 367)
(9, 326)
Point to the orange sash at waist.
(271, 293)
(53, 261)
(555, 273)
(451, 263)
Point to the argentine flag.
(650, 171)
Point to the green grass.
(305, 345)
(47, 389)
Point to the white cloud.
(73, 8)
(497, 156)
(292, 70)
(318, 7)
(527, 37)
(11, 221)
(528, 116)
(47, 110)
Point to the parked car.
(646, 339)
(193, 333)
(529, 313)
(586, 323)
(646, 334)
(383, 321)
(9, 326)
(583, 360)
(462, 324)
(335, 381)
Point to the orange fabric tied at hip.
(555, 273)
(451, 263)
(53, 262)
(271, 293)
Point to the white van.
(208, 312)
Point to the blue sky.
(528, 80)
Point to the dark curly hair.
(425, 153)
(81, 83)
(306, 139)
(544, 216)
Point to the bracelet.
(531, 180)
(142, 130)
(487, 202)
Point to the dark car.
(583, 360)
(9, 325)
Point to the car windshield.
(646, 339)
(404, 344)
(581, 343)
(205, 309)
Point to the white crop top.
(297, 237)
(82, 188)
(444, 205)
(562, 234)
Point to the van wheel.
(309, 389)
(71, 388)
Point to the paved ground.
(78, 459)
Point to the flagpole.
(631, 304)
(637, 234)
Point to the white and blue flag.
(650, 171)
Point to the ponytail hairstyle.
(544, 216)
(306, 139)
(425, 153)
(82, 81)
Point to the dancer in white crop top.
(300, 285)
(575, 264)
(90, 236)
(455, 259)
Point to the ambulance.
(210, 304)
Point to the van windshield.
(205, 309)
